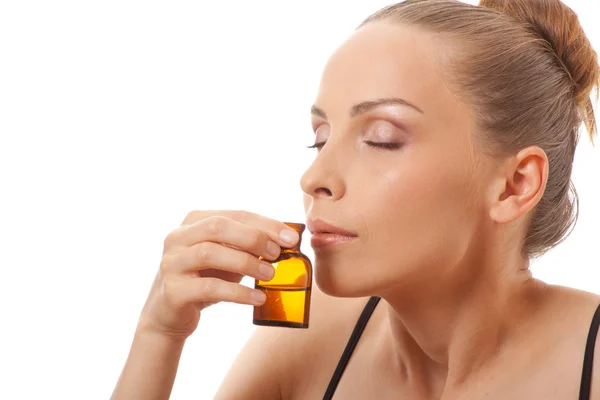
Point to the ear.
(519, 185)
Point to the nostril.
(324, 192)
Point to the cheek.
(419, 209)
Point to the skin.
(439, 228)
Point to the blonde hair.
(528, 70)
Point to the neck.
(446, 330)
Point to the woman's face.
(397, 167)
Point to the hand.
(203, 263)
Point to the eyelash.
(381, 145)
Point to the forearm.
(150, 370)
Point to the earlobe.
(506, 210)
(523, 183)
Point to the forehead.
(383, 60)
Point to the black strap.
(588, 360)
(356, 333)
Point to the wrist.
(149, 333)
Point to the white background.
(119, 117)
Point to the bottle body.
(289, 292)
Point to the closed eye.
(316, 145)
(381, 145)
(384, 145)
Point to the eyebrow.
(365, 106)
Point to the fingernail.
(273, 249)
(289, 236)
(266, 270)
(258, 296)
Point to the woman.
(445, 135)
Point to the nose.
(324, 178)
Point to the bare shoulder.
(571, 310)
(562, 339)
(277, 362)
(582, 311)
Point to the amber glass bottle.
(288, 293)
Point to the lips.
(320, 226)
(325, 234)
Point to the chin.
(337, 281)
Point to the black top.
(588, 361)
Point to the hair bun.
(557, 24)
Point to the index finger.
(276, 230)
